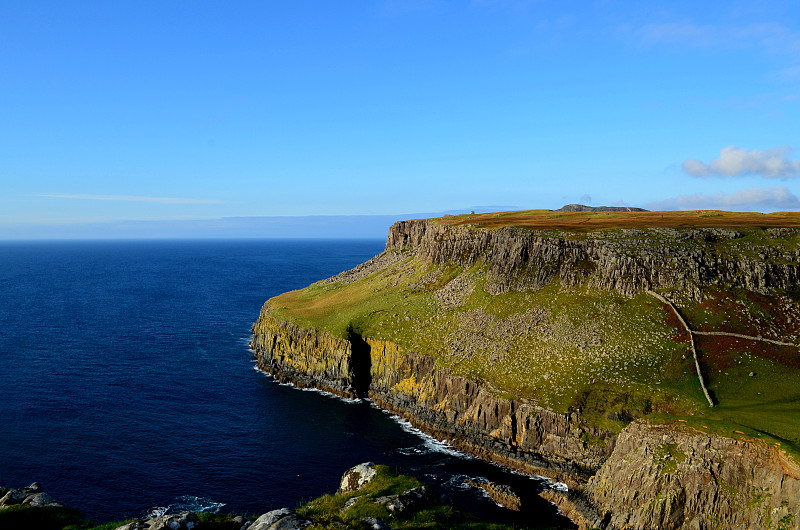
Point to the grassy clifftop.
(610, 355)
(590, 221)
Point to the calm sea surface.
(126, 384)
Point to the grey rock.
(408, 500)
(281, 519)
(350, 502)
(375, 524)
(13, 497)
(357, 477)
(270, 518)
(40, 499)
(180, 521)
(242, 521)
(291, 522)
(35, 487)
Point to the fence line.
(691, 340)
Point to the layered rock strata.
(649, 476)
(466, 412)
(670, 477)
(626, 261)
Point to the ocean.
(127, 386)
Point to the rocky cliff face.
(467, 412)
(666, 477)
(626, 261)
(649, 476)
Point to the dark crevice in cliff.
(513, 416)
(361, 363)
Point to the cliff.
(542, 349)
(670, 477)
(626, 261)
(504, 430)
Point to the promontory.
(649, 360)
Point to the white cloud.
(133, 198)
(585, 199)
(734, 162)
(774, 198)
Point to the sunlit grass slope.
(565, 349)
(611, 357)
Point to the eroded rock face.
(357, 477)
(669, 477)
(467, 412)
(501, 493)
(641, 479)
(626, 261)
(303, 357)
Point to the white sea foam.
(409, 451)
(327, 394)
(309, 389)
(550, 483)
(157, 511)
(461, 482)
(431, 443)
(193, 503)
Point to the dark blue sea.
(127, 385)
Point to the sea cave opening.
(361, 362)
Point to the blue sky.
(176, 111)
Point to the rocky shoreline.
(369, 497)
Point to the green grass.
(606, 355)
(49, 518)
(40, 517)
(590, 221)
(329, 511)
(553, 345)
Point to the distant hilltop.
(582, 208)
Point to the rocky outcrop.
(357, 477)
(282, 519)
(626, 260)
(29, 496)
(177, 521)
(671, 477)
(502, 494)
